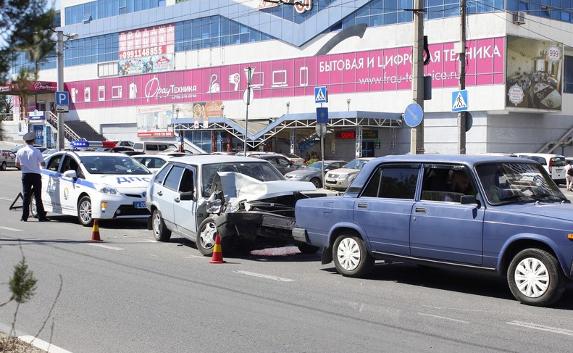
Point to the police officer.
(30, 160)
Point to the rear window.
(558, 161)
(538, 159)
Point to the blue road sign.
(321, 115)
(413, 115)
(80, 144)
(320, 94)
(62, 101)
(460, 101)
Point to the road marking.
(444, 318)
(147, 241)
(196, 257)
(260, 275)
(107, 247)
(6, 199)
(533, 326)
(43, 345)
(11, 229)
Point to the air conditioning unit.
(519, 18)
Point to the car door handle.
(160, 193)
(176, 199)
(362, 205)
(420, 210)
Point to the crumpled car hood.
(243, 187)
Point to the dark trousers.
(32, 184)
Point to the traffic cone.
(217, 257)
(95, 231)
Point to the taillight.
(550, 165)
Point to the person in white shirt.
(569, 176)
(30, 160)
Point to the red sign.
(155, 134)
(34, 87)
(147, 42)
(346, 135)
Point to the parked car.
(244, 199)
(499, 214)
(151, 147)
(340, 179)
(296, 160)
(554, 164)
(7, 159)
(283, 164)
(313, 172)
(154, 162)
(90, 185)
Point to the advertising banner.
(147, 50)
(534, 74)
(154, 121)
(381, 70)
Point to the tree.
(6, 109)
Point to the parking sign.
(62, 101)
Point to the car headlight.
(108, 190)
(342, 177)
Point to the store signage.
(300, 6)
(346, 135)
(382, 70)
(147, 50)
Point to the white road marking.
(444, 318)
(107, 247)
(533, 326)
(260, 275)
(147, 241)
(43, 345)
(11, 229)
(6, 199)
(196, 257)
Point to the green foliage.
(22, 283)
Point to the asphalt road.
(131, 294)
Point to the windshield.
(517, 182)
(262, 171)
(315, 165)
(120, 165)
(355, 164)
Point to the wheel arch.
(342, 228)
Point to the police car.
(92, 185)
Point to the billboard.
(154, 121)
(379, 70)
(534, 73)
(147, 50)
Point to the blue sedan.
(476, 212)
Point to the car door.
(184, 210)
(384, 206)
(166, 193)
(70, 188)
(284, 165)
(442, 228)
(51, 184)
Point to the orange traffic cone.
(95, 231)
(217, 257)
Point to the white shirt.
(30, 159)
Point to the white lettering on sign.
(153, 89)
(128, 180)
(341, 65)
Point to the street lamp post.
(60, 63)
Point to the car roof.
(544, 155)
(213, 159)
(453, 158)
(96, 154)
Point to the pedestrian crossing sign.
(320, 94)
(460, 101)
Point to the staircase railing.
(551, 146)
(69, 134)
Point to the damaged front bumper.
(250, 225)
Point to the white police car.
(94, 185)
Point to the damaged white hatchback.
(246, 200)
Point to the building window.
(108, 69)
(568, 77)
(107, 8)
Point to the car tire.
(351, 257)
(307, 248)
(205, 240)
(535, 278)
(316, 182)
(85, 211)
(160, 231)
(3, 166)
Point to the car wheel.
(206, 236)
(3, 166)
(85, 211)
(160, 231)
(316, 182)
(351, 257)
(535, 278)
(307, 248)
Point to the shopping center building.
(149, 69)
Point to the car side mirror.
(469, 200)
(71, 174)
(187, 195)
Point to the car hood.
(562, 211)
(243, 187)
(343, 171)
(123, 182)
(303, 171)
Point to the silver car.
(340, 179)
(312, 173)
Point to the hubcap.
(86, 211)
(157, 223)
(208, 235)
(531, 277)
(348, 254)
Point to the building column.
(358, 141)
(213, 141)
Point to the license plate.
(139, 204)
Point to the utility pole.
(462, 81)
(60, 63)
(417, 134)
(249, 72)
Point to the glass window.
(398, 182)
(446, 183)
(261, 171)
(173, 178)
(372, 189)
(54, 163)
(568, 77)
(114, 165)
(161, 175)
(187, 181)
